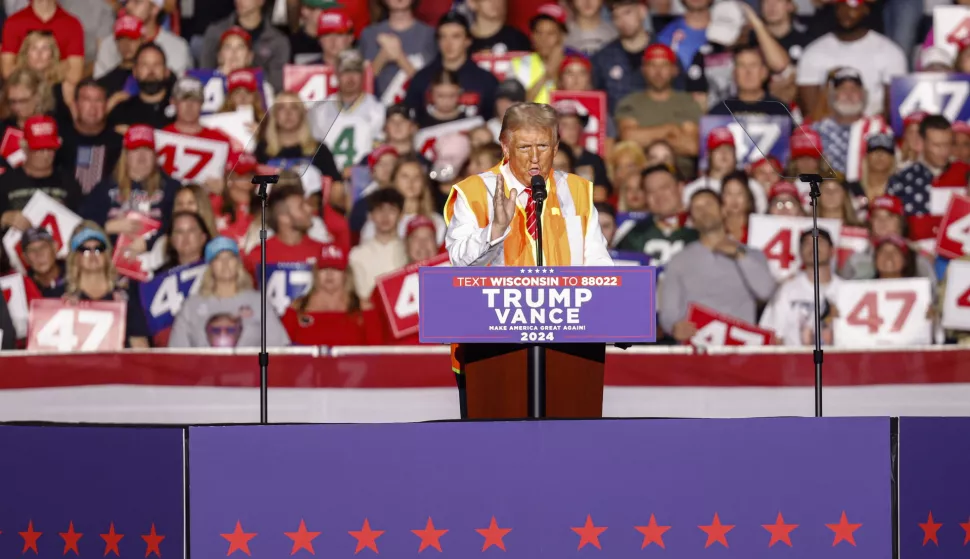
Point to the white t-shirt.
(790, 313)
(350, 132)
(877, 58)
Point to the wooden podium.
(512, 322)
(497, 380)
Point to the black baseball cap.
(35, 234)
(400, 109)
(880, 141)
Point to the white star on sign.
(522, 270)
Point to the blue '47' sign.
(755, 137)
(162, 297)
(941, 94)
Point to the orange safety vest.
(519, 246)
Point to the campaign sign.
(190, 159)
(883, 312)
(15, 294)
(951, 25)
(127, 264)
(956, 300)
(500, 65)
(852, 240)
(760, 137)
(617, 489)
(933, 486)
(717, 329)
(590, 104)
(237, 125)
(214, 88)
(162, 297)
(57, 325)
(10, 148)
(124, 496)
(777, 237)
(564, 304)
(400, 296)
(426, 138)
(285, 282)
(316, 82)
(43, 211)
(629, 258)
(935, 93)
(953, 235)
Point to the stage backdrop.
(91, 492)
(934, 490)
(747, 488)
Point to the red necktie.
(530, 213)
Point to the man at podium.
(491, 216)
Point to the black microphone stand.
(537, 353)
(815, 181)
(263, 182)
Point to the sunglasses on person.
(222, 330)
(784, 205)
(92, 249)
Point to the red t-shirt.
(307, 250)
(66, 29)
(332, 328)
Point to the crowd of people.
(87, 84)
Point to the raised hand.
(503, 208)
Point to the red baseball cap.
(886, 202)
(555, 12)
(379, 152)
(334, 21)
(236, 31)
(140, 136)
(771, 161)
(581, 60)
(914, 118)
(245, 79)
(417, 222)
(782, 188)
(960, 127)
(720, 136)
(332, 256)
(241, 163)
(40, 132)
(659, 51)
(128, 27)
(806, 142)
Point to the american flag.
(90, 166)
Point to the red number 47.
(866, 311)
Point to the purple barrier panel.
(91, 492)
(720, 488)
(934, 487)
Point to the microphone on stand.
(537, 353)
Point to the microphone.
(538, 189)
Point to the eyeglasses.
(784, 205)
(222, 330)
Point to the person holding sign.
(226, 311)
(791, 311)
(138, 185)
(716, 272)
(38, 173)
(92, 277)
(330, 314)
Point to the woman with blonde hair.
(40, 53)
(226, 311)
(91, 276)
(330, 314)
(411, 179)
(138, 185)
(25, 94)
(287, 138)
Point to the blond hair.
(55, 73)
(205, 207)
(35, 83)
(529, 115)
(626, 148)
(271, 135)
(151, 184)
(244, 281)
(74, 270)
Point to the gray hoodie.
(235, 323)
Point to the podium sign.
(527, 305)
